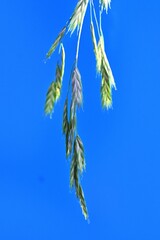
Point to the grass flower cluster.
(74, 144)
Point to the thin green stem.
(79, 34)
(95, 17)
(90, 4)
(100, 21)
(69, 83)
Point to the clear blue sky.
(122, 180)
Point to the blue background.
(122, 180)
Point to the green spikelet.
(105, 63)
(60, 68)
(52, 94)
(73, 172)
(79, 150)
(106, 91)
(78, 15)
(77, 166)
(56, 42)
(103, 67)
(54, 90)
(69, 143)
(107, 83)
(71, 130)
(65, 117)
(77, 96)
(82, 202)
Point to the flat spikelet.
(82, 202)
(73, 172)
(77, 166)
(66, 129)
(80, 154)
(105, 61)
(105, 4)
(106, 90)
(69, 126)
(76, 87)
(108, 69)
(71, 134)
(107, 79)
(56, 42)
(51, 97)
(104, 69)
(54, 90)
(78, 15)
(100, 54)
(60, 68)
(96, 49)
(65, 117)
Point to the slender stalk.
(69, 82)
(95, 17)
(79, 35)
(100, 21)
(90, 4)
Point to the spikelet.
(78, 155)
(70, 129)
(107, 79)
(104, 69)
(96, 49)
(76, 87)
(71, 133)
(60, 69)
(106, 90)
(73, 172)
(56, 42)
(69, 143)
(65, 124)
(54, 90)
(79, 150)
(51, 97)
(109, 71)
(82, 202)
(78, 15)
(72, 125)
(105, 4)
